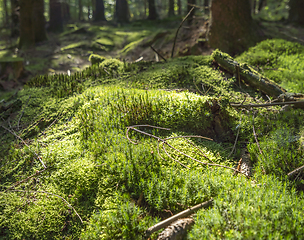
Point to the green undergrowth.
(115, 189)
(279, 60)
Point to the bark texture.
(122, 13)
(296, 11)
(232, 28)
(171, 8)
(15, 14)
(56, 21)
(99, 11)
(152, 10)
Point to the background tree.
(232, 28)
(32, 23)
(15, 13)
(65, 7)
(122, 14)
(190, 4)
(296, 11)
(80, 12)
(56, 21)
(171, 8)
(5, 14)
(152, 10)
(99, 14)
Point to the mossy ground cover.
(76, 126)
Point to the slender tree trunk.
(80, 13)
(171, 8)
(39, 21)
(56, 22)
(65, 8)
(27, 34)
(262, 3)
(179, 6)
(99, 11)
(296, 11)
(15, 13)
(206, 5)
(152, 10)
(232, 28)
(122, 13)
(6, 17)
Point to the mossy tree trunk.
(171, 8)
(99, 11)
(296, 11)
(56, 21)
(232, 28)
(152, 10)
(122, 13)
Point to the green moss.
(96, 59)
(112, 65)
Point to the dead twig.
(164, 141)
(297, 170)
(182, 214)
(185, 18)
(256, 139)
(237, 105)
(69, 205)
(22, 112)
(12, 132)
(158, 53)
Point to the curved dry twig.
(172, 157)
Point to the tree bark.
(65, 7)
(15, 14)
(56, 22)
(80, 13)
(189, 7)
(152, 10)
(232, 28)
(296, 10)
(122, 14)
(5, 15)
(171, 8)
(99, 11)
(32, 21)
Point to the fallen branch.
(182, 214)
(240, 105)
(157, 53)
(185, 18)
(249, 75)
(69, 205)
(295, 171)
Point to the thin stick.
(197, 86)
(256, 139)
(237, 136)
(69, 205)
(158, 53)
(172, 53)
(173, 158)
(26, 179)
(295, 171)
(12, 132)
(266, 104)
(172, 219)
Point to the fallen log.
(248, 75)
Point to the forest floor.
(69, 51)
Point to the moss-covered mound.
(70, 169)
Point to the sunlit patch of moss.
(96, 59)
(112, 65)
(74, 45)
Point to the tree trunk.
(206, 7)
(179, 7)
(152, 10)
(39, 21)
(56, 22)
(122, 14)
(6, 17)
(232, 28)
(171, 8)
(15, 13)
(99, 11)
(32, 21)
(80, 13)
(27, 34)
(65, 8)
(262, 3)
(296, 10)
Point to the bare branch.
(295, 171)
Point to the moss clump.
(96, 59)
(112, 65)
